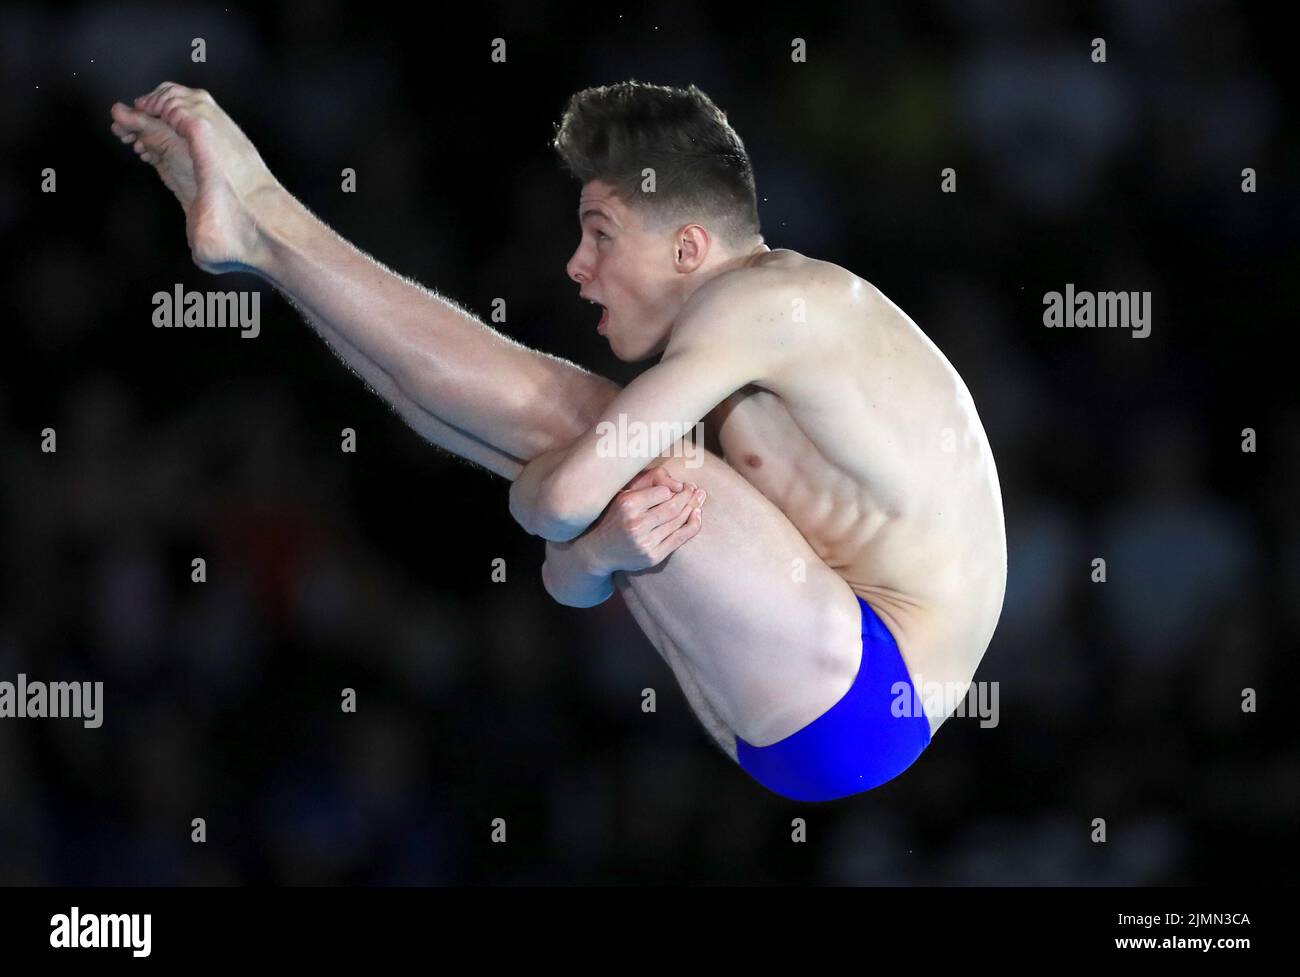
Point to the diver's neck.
(758, 251)
(737, 261)
(743, 259)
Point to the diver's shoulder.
(770, 289)
(778, 272)
(782, 268)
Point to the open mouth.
(604, 316)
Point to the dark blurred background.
(481, 700)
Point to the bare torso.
(872, 448)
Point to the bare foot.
(211, 167)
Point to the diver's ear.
(691, 247)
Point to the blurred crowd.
(1119, 700)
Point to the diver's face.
(628, 270)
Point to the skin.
(854, 462)
(643, 526)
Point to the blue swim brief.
(857, 744)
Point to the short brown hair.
(614, 132)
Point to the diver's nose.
(578, 269)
